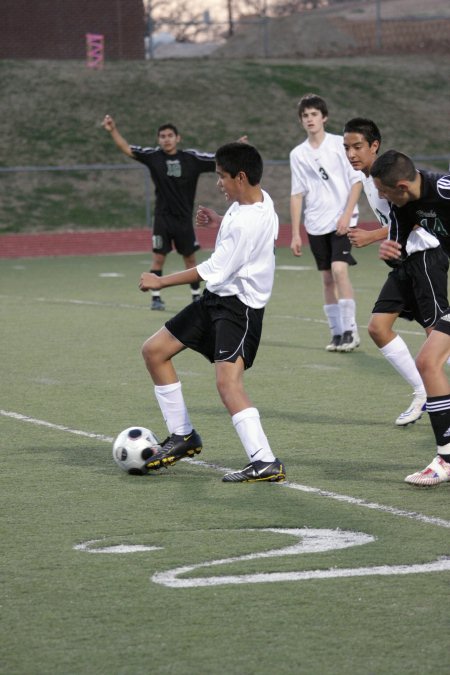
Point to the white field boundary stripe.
(57, 427)
(355, 501)
(94, 303)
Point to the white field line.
(57, 427)
(94, 303)
(354, 501)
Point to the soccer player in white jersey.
(362, 140)
(225, 324)
(323, 182)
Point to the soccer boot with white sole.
(175, 448)
(158, 304)
(414, 412)
(350, 340)
(334, 344)
(435, 473)
(272, 472)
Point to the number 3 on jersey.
(323, 173)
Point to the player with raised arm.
(225, 325)
(175, 173)
(324, 183)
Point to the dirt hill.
(406, 27)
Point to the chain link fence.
(306, 29)
(120, 196)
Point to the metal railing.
(276, 180)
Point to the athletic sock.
(173, 409)
(399, 356)
(347, 309)
(156, 294)
(438, 408)
(333, 314)
(249, 429)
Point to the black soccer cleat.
(334, 344)
(350, 340)
(273, 472)
(158, 304)
(175, 448)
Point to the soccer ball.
(133, 447)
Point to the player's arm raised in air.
(110, 125)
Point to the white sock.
(347, 308)
(444, 450)
(333, 315)
(173, 408)
(398, 355)
(249, 429)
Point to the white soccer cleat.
(435, 473)
(414, 411)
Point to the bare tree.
(274, 7)
(180, 19)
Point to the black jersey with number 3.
(431, 211)
(175, 178)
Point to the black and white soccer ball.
(133, 447)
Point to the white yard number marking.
(308, 541)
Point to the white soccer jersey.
(324, 177)
(243, 262)
(379, 206)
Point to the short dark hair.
(236, 157)
(312, 101)
(365, 127)
(170, 126)
(393, 166)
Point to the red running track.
(104, 242)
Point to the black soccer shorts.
(220, 328)
(417, 289)
(329, 248)
(168, 231)
(443, 325)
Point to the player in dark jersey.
(175, 174)
(419, 199)
(422, 200)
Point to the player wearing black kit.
(421, 200)
(420, 222)
(175, 174)
(430, 209)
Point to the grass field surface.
(51, 114)
(344, 569)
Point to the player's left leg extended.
(183, 440)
